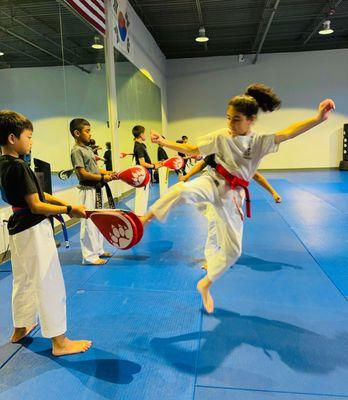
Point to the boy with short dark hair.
(140, 151)
(38, 285)
(90, 178)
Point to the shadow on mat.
(254, 263)
(300, 349)
(96, 369)
(258, 264)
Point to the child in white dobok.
(38, 291)
(238, 152)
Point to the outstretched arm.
(154, 165)
(36, 206)
(262, 181)
(324, 109)
(185, 148)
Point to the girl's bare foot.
(20, 333)
(208, 301)
(145, 219)
(99, 262)
(61, 346)
(106, 255)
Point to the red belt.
(16, 209)
(234, 181)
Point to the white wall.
(198, 90)
(39, 93)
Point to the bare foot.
(62, 346)
(106, 255)
(145, 219)
(208, 301)
(20, 333)
(99, 262)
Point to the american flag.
(92, 10)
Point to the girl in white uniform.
(209, 211)
(238, 151)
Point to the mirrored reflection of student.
(107, 157)
(161, 156)
(94, 147)
(141, 155)
(182, 171)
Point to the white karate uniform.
(239, 155)
(38, 285)
(91, 240)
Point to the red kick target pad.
(136, 176)
(175, 163)
(122, 229)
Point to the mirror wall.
(32, 74)
(138, 103)
(85, 78)
(50, 72)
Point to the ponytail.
(256, 96)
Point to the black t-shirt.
(16, 181)
(210, 160)
(161, 154)
(108, 160)
(140, 151)
(180, 154)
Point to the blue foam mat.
(279, 330)
(122, 363)
(5, 309)
(207, 393)
(267, 347)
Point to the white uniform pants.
(38, 285)
(225, 243)
(141, 200)
(92, 241)
(211, 244)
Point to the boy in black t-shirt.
(108, 157)
(38, 285)
(161, 154)
(140, 151)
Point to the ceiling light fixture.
(201, 38)
(326, 30)
(97, 43)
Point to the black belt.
(98, 195)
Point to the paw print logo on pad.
(138, 176)
(121, 234)
(178, 164)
